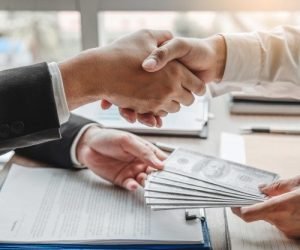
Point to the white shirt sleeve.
(59, 93)
(262, 62)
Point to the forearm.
(80, 76)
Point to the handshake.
(147, 74)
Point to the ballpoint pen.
(271, 130)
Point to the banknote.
(155, 201)
(151, 194)
(171, 207)
(155, 178)
(219, 172)
(161, 188)
(179, 178)
(191, 180)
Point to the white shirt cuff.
(244, 59)
(243, 64)
(59, 93)
(74, 159)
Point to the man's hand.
(206, 58)
(114, 73)
(281, 210)
(119, 157)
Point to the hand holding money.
(192, 180)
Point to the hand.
(114, 73)
(206, 58)
(119, 157)
(281, 210)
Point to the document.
(44, 205)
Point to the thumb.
(174, 49)
(279, 187)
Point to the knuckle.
(175, 71)
(169, 34)
(145, 153)
(168, 90)
(180, 42)
(161, 53)
(125, 138)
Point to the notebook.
(63, 209)
(250, 103)
(189, 121)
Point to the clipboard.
(206, 245)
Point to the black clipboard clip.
(194, 215)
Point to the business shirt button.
(4, 131)
(17, 127)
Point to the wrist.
(219, 47)
(83, 141)
(80, 76)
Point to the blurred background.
(32, 36)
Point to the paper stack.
(193, 180)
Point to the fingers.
(280, 186)
(105, 104)
(130, 184)
(186, 98)
(159, 153)
(141, 178)
(128, 114)
(161, 36)
(172, 107)
(147, 119)
(140, 150)
(259, 211)
(173, 49)
(192, 83)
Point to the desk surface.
(223, 122)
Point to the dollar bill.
(219, 172)
(161, 188)
(223, 192)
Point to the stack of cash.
(192, 180)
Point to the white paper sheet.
(56, 205)
(255, 235)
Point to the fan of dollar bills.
(193, 180)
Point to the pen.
(270, 130)
(164, 146)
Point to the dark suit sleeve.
(28, 112)
(57, 153)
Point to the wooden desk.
(223, 122)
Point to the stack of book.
(245, 103)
